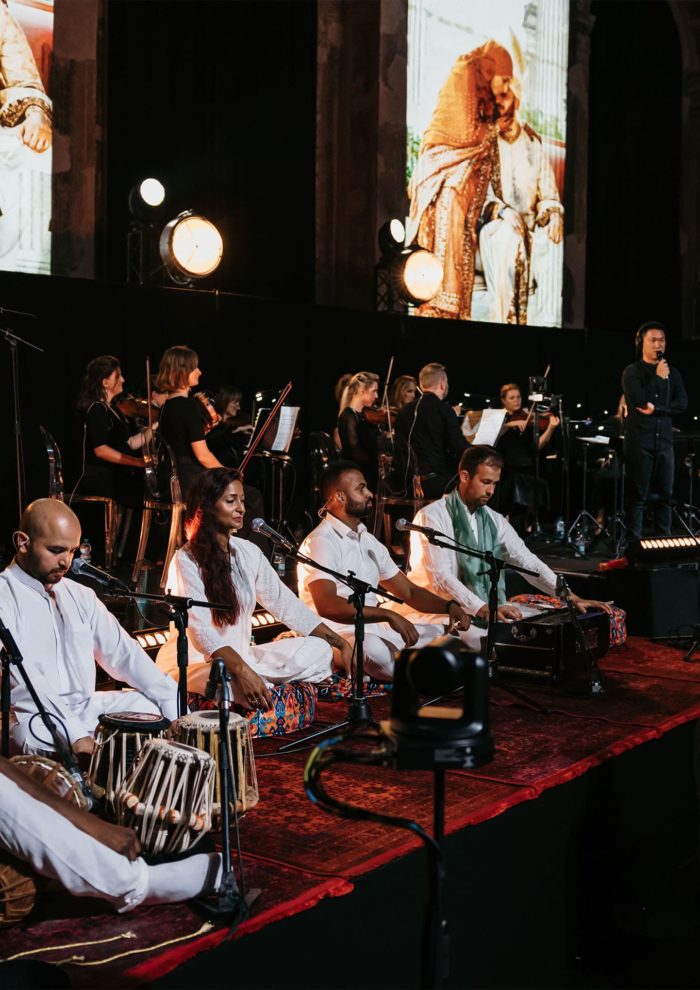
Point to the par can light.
(190, 247)
(416, 275)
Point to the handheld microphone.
(404, 527)
(105, 580)
(260, 526)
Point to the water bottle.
(279, 563)
(559, 527)
(580, 541)
(85, 551)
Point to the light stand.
(11, 655)
(12, 340)
(615, 529)
(359, 713)
(584, 516)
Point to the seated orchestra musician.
(360, 439)
(464, 515)
(112, 444)
(428, 438)
(343, 543)
(215, 567)
(517, 494)
(62, 629)
(88, 856)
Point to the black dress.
(105, 427)
(359, 443)
(182, 424)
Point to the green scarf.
(473, 571)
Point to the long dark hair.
(203, 546)
(91, 389)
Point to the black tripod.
(359, 713)
(12, 340)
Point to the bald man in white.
(62, 629)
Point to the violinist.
(112, 465)
(516, 493)
(360, 439)
(403, 391)
(183, 419)
(229, 437)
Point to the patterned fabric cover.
(618, 624)
(340, 689)
(294, 707)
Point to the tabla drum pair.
(119, 738)
(201, 730)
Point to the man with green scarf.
(465, 516)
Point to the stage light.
(655, 549)
(190, 247)
(391, 237)
(416, 275)
(145, 198)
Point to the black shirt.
(104, 428)
(181, 424)
(359, 442)
(436, 439)
(641, 384)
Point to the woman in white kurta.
(215, 566)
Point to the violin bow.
(385, 397)
(275, 409)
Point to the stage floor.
(298, 855)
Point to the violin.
(380, 416)
(544, 416)
(212, 417)
(130, 407)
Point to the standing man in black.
(428, 436)
(654, 392)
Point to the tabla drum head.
(144, 722)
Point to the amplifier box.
(659, 601)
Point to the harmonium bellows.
(545, 648)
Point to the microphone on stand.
(260, 526)
(105, 580)
(404, 526)
(217, 676)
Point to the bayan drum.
(167, 796)
(118, 741)
(201, 730)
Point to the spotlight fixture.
(145, 198)
(391, 237)
(416, 275)
(654, 549)
(190, 247)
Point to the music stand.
(272, 437)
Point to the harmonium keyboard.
(545, 647)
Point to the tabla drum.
(167, 796)
(53, 776)
(201, 730)
(17, 890)
(118, 741)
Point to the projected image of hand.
(35, 130)
(555, 228)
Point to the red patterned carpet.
(297, 854)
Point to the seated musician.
(360, 439)
(112, 446)
(343, 543)
(214, 567)
(428, 436)
(90, 857)
(62, 629)
(464, 515)
(517, 493)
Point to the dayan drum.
(201, 730)
(118, 741)
(167, 796)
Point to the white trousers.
(381, 642)
(55, 848)
(36, 739)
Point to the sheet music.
(489, 426)
(285, 428)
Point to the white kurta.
(302, 658)
(60, 635)
(335, 545)
(438, 569)
(528, 185)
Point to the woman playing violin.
(516, 491)
(403, 391)
(359, 438)
(112, 443)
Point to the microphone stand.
(230, 899)
(11, 654)
(494, 567)
(178, 606)
(359, 713)
(595, 679)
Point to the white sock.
(186, 878)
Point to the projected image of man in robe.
(484, 199)
(25, 160)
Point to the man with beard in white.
(343, 543)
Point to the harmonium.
(545, 648)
